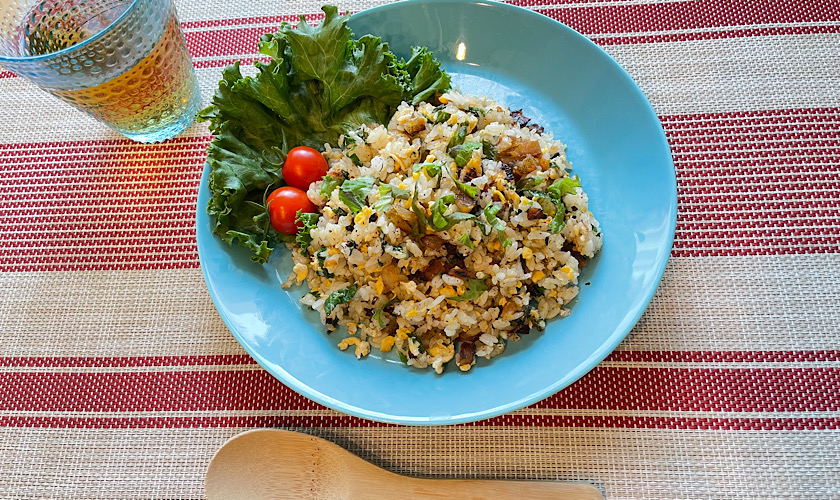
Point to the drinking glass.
(124, 62)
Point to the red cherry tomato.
(283, 205)
(304, 166)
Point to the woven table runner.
(118, 379)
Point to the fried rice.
(443, 236)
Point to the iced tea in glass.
(124, 62)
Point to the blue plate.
(570, 86)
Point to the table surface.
(118, 379)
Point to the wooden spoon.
(273, 463)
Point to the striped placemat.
(119, 380)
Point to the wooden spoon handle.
(475, 489)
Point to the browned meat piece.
(391, 327)
(508, 172)
(519, 118)
(459, 272)
(432, 241)
(391, 277)
(464, 202)
(402, 224)
(508, 310)
(466, 353)
(536, 128)
(525, 167)
(414, 125)
(581, 259)
(468, 337)
(569, 247)
(522, 329)
(467, 174)
(535, 213)
(514, 149)
(434, 268)
(523, 121)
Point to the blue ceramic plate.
(616, 144)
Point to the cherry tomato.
(283, 205)
(304, 166)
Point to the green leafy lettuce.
(304, 238)
(318, 82)
(354, 193)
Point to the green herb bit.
(476, 111)
(419, 343)
(474, 290)
(419, 228)
(466, 240)
(354, 193)
(528, 184)
(563, 186)
(387, 193)
(489, 150)
(441, 222)
(321, 256)
(468, 189)
(377, 316)
(355, 159)
(303, 238)
(549, 205)
(338, 297)
(329, 185)
(459, 136)
(490, 212)
(431, 170)
(557, 223)
(385, 199)
(440, 117)
(465, 153)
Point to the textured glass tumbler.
(124, 62)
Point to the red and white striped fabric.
(119, 380)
